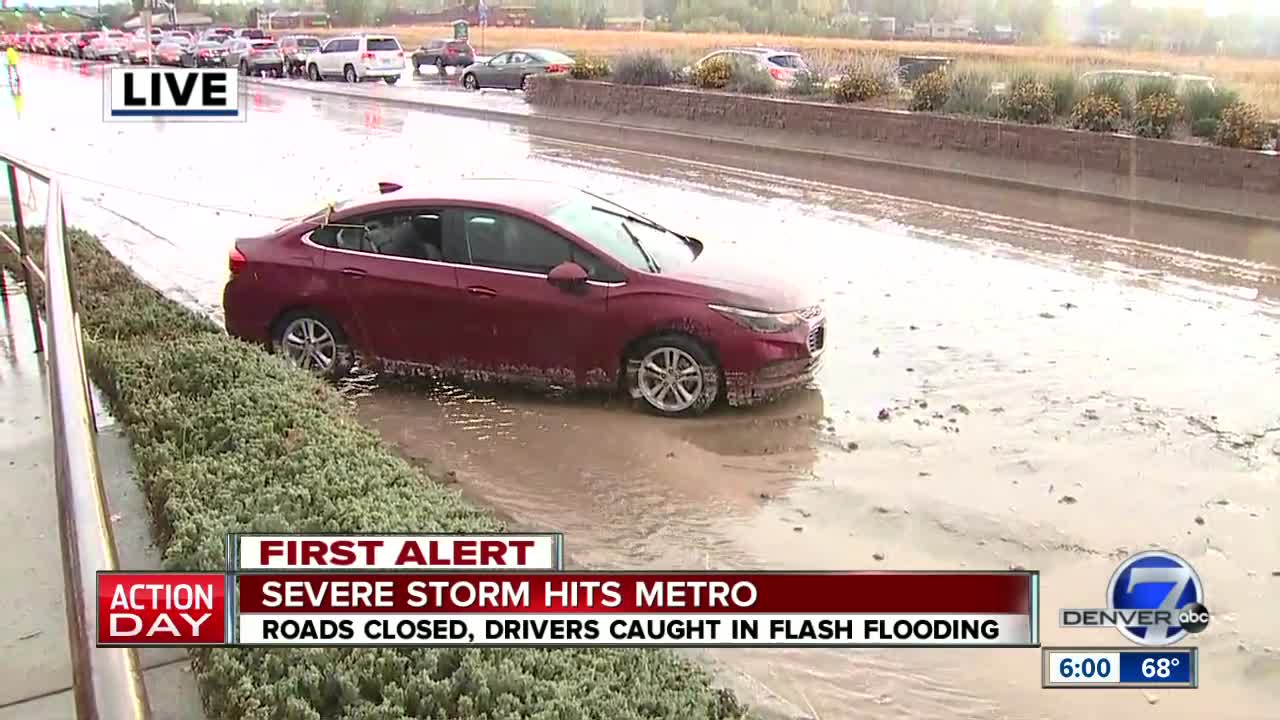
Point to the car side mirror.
(567, 276)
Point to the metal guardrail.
(107, 682)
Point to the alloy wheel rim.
(670, 379)
(310, 345)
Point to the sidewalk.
(35, 661)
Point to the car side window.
(500, 59)
(415, 234)
(517, 58)
(351, 45)
(505, 242)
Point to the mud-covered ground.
(1055, 398)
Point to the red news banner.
(338, 596)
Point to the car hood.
(729, 279)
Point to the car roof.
(532, 196)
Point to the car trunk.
(382, 54)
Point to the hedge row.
(228, 438)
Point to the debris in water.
(960, 408)
(765, 496)
(805, 513)
(1069, 306)
(923, 404)
(1067, 500)
(1047, 315)
(877, 556)
(851, 446)
(798, 528)
(882, 509)
(31, 635)
(924, 473)
(913, 327)
(1090, 414)
(671, 454)
(1199, 520)
(875, 353)
(1152, 698)
(883, 414)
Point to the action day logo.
(190, 94)
(1154, 598)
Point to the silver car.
(511, 69)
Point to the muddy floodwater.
(999, 390)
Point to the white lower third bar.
(691, 629)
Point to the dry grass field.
(1257, 79)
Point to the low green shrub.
(1065, 85)
(929, 92)
(713, 73)
(1205, 127)
(1156, 114)
(1098, 113)
(1157, 85)
(230, 439)
(751, 79)
(1030, 101)
(1114, 88)
(590, 67)
(869, 75)
(807, 83)
(1242, 127)
(643, 67)
(853, 87)
(1202, 102)
(971, 93)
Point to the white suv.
(355, 58)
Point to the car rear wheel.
(440, 66)
(349, 74)
(469, 82)
(244, 68)
(313, 342)
(524, 82)
(674, 376)
(313, 72)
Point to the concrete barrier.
(1186, 176)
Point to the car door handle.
(482, 291)
(354, 272)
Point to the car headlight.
(764, 322)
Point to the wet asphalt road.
(1056, 398)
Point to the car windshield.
(383, 45)
(627, 237)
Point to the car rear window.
(551, 56)
(264, 45)
(459, 46)
(383, 44)
(308, 42)
(209, 45)
(787, 61)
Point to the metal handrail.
(107, 682)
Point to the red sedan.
(523, 281)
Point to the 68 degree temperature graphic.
(1119, 668)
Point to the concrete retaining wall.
(1159, 172)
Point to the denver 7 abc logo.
(1154, 598)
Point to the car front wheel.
(313, 72)
(469, 82)
(313, 342)
(349, 74)
(674, 376)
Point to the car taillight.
(557, 68)
(451, 51)
(776, 73)
(237, 261)
(204, 53)
(366, 56)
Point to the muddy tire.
(673, 376)
(390, 80)
(440, 67)
(312, 341)
(349, 74)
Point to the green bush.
(852, 87)
(1156, 114)
(870, 75)
(1065, 86)
(1157, 85)
(1098, 113)
(713, 73)
(929, 92)
(807, 83)
(1030, 101)
(588, 67)
(1205, 127)
(751, 79)
(643, 67)
(1201, 103)
(1114, 88)
(1242, 127)
(970, 93)
(230, 439)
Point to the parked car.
(1132, 78)
(206, 53)
(358, 57)
(218, 34)
(781, 65)
(252, 34)
(443, 53)
(169, 53)
(181, 36)
(102, 48)
(137, 51)
(255, 57)
(524, 281)
(62, 44)
(39, 43)
(82, 42)
(512, 69)
(295, 49)
(154, 38)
